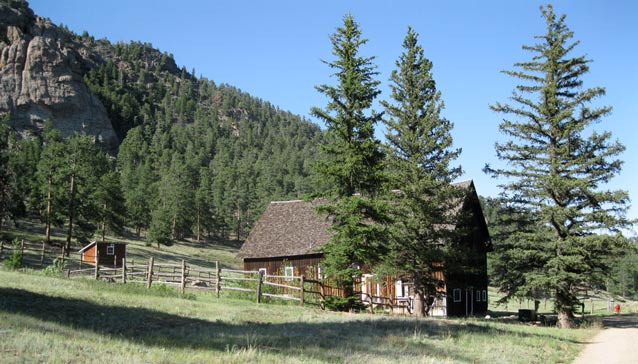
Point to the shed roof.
(95, 242)
(287, 228)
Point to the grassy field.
(199, 254)
(55, 320)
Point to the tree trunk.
(419, 297)
(104, 225)
(71, 215)
(174, 228)
(47, 234)
(198, 227)
(565, 320)
(238, 222)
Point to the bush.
(54, 269)
(335, 303)
(15, 261)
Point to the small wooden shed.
(106, 253)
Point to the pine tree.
(354, 159)
(84, 164)
(7, 174)
(49, 181)
(556, 167)
(420, 157)
(136, 179)
(110, 202)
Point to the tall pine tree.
(556, 169)
(420, 158)
(353, 163)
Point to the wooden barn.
(107, 253)
(286, 240)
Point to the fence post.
(1, 249)
(183, 282)
(302, 279)
(591, 303)
(42, 255)
(114, 261)
(322, 292)
(218, 278)
(123, 270)
(260, 275)
(21, 251)
(97, 271)
(68, 273)
(149, 273)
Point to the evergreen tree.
(24, 158)
(420, 157)
(353, 163)
(49, 181)
(7, 175)
(136, 179)
(555, 170)
(84, 164)
(110, 202)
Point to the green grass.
(57, 320)
(199, 254)
(599, 299)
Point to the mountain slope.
(195, 158)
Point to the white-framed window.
(484, 296)
(319, 276)
(289, 272)
(478, 296)
(457, 294)
(110, 249)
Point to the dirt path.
(616, 344)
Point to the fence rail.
(186, 276)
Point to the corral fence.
(184, 276)
(32, 254)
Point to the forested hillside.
(194, 158)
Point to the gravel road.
(616, 344)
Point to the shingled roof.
(293, 228)
(287, 228)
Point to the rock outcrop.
(41, 78)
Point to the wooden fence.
(185, 276)
(32, 254)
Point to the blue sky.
(273, 50)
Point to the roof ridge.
(288, 201)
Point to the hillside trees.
(7, 175)
(556, 169)
(353, 160)
(420, 157)
(226, 153)
(210, 169)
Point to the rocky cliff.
(41, 77)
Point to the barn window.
(484, 296)
(478, 296)
(457, 295)
(110, 249)
(289, 272)
(263, 271)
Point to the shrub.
(54, 269)
(15, 261)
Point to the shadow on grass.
(384, 338)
